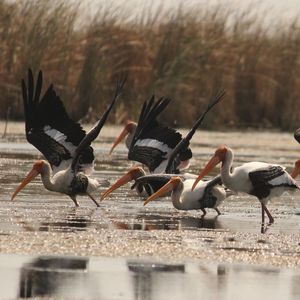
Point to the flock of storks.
(163, 150)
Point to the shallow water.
(118, 278)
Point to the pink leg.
(262, 215)
(218, 212)
(271, 219)
(93, 199)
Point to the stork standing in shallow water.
(259, 179)
(208, 194)
(62, 141)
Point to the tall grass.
(185, 55)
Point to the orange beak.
(126, 130)
(168, 187)
(31, 175)
(209, 166)
(296, 169)
(130, 175)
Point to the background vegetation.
(183, 55)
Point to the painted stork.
(208, 194)
(62, 141)
(259, 179)
(150, 142)
(153, 183)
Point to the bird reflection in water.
(166, 222)
(72, 221)
(44, 275)
(146, 275)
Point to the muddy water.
(46, 223)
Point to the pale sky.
(272, 13)
(277, 10)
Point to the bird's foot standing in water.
(74, 200)
(218, 212)
(264, 227)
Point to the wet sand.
(40, 222)
(279, 250)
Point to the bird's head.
(170, 186)
(219, 156)
(37, 169)
(132, 174)
(128, 128)
(296, 169)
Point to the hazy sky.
(277, 12)
(272, 9)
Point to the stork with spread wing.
(63, 142)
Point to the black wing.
(47, 125)
(209, 200)
(261, 180)
(163, 178)
(152, 141)
(94, 132)
(213, 182)
(185, 142)
(151, 183)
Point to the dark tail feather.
(148, 115)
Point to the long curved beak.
(130, 175)
(209, 166)
(118, 140)
(31, 175)
(168, 187)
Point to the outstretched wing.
(185, 142)
(94, 132)
(48, 126)
(153, 142)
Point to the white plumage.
(208, 194)
(259, 179)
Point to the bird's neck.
(176, 196)
(46, 175)
(226, 169)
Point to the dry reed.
(183, 55)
